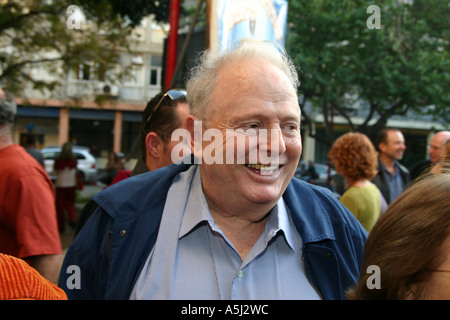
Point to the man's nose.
(272, 145)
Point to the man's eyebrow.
(263, 115)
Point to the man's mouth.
(263, 169)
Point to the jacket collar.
(310, 216)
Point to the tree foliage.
(35, 33)
(133, 11)
(402, 66)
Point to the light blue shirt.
(193, 259)
(395, 182)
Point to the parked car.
(86, 162)
(322, 172)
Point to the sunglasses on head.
(173, 94)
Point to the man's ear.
(153, 144)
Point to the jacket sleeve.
(84, 271)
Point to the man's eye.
(291, 127)
(250, 126)
(249, 129)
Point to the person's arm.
(48, 266)
(36, 230)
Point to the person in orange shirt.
(19, 281)
(28, 227)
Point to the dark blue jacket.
(113, 246)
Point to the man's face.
(250, 97)
(437, 146)
(394, 146)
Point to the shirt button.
(240, 274)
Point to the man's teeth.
(262, 167)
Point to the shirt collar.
(197, 213)
(396, 166)
(196, 210)
(279, 220)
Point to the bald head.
(437, 145)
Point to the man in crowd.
(223, 230)
(30, 147)
(163, 114)
(28, 227)
(435, 150)
(392, 177)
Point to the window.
(50, 155)
(89, 71)
(155, 70)
(81, 72)
(79, 156)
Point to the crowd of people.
(378, 176)
(196, 230)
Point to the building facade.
(80, 114)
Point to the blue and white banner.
(257, 19)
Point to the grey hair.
(204, 75)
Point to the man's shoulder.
(402, 168)
(309, 193)
(319, 212)
(138, 192)
(18, 164)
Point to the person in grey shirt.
(392, 178)
(30, 147)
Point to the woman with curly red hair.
(355, 157)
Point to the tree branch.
(344, 114)
(16, 21)
(13, 67)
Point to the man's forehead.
(247, 75)
(394, 135)
(440, 138)
(245, 67)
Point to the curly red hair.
(354, 156)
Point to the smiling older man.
(221, 230)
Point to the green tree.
(400, 67)
(41, 34)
